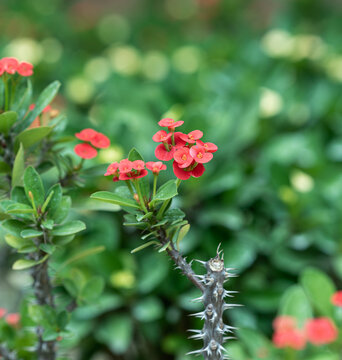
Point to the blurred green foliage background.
(262, 79)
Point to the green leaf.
(30, 137)
(112, 198)
(7, 119)
(4, 168)
(116, 332)
(18, 208)
(174, 214)
(319, 289)
(55, 201)
(70, 228)
(295, 303)
(22, 105)
(48, 224)
(30, 233)
(18, 195)
(33, 183)
(166, 191)
(47, 248)
(13, 227)
(18, 167)
(25, 264)
(63, 240)
(182, 233)
(44, 99)
(142, 217)
(139, 248)
(16, 242)
(164, 247)
(148, 309)
(83, 254)
(92, 289)
(62, 212)
(143, 182)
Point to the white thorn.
(199, 299)
(196, 331)
(196, 352)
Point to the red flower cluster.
(188, 152)
(317, 331)
(287, 335)
(11, 66)
(336, 299)
(130, 170)
(96, 139)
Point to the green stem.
(14, 85)
(155, 178)
(130, 188)
(142, 202)
(6, 91)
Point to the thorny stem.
(46, 350)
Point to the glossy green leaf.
(26, 264)
(33, 183)
(319, 289)
(30, 137)
(166, 191)
(18, 167)
(18, 208)
(31, 233)
(112, 198)
(44, 99)
(55, 201)
(14, 227)
(70, 228)
(93, 289)
(164, 247)
(142, 247)
(182, 233)
(18, 195)
(62, 211)
(16, 242)
(7, 119)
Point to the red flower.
(112, 169)
(133, 175)
(184, 174)
(200, 155)
(85, 151)
(125, 166)
(138, 165)
(2, 67)
(96, 138)
(86, 134)
(100, 141)
(13, 319)
(25, 69)
(161, 136)
(170, 123)
(284, 322)
(182, 157)
(336, 299)
(10, 65)
(209, 147)
(192, 136)
(321, 331)
(162, 154)
(155, 167)
(292, 338)
(2, 312)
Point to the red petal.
(162, 154)
(198, 171)
(85, 151)
(86, 134)
(180, 173)
(100, 141)
(142, 174)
